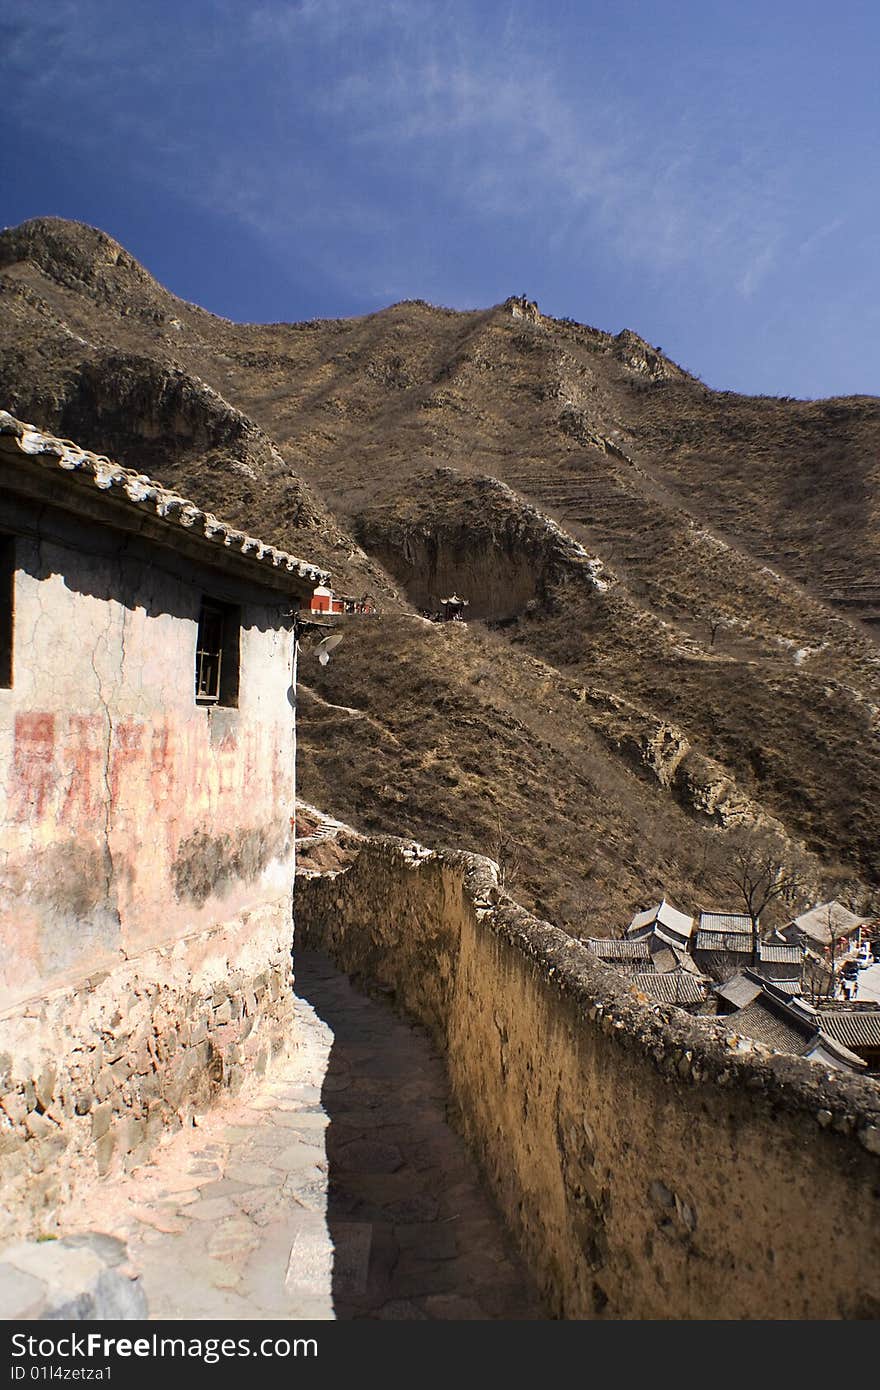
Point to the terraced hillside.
(672, 590)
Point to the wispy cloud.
(818, 235)
(365, 118)
(486, 117)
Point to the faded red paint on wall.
(59, 761)
(149, 791)
(82, 801)
(163, 767)
(130, 816)
(126, 751)
(33, 765)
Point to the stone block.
(61, 1281)
(15, 1106)
(52, 1145)
(121, 1070)
(131, 1132)
(45, 1085)
(104, 1084)
(102, 1116)
(34, 1159)
(38, 1126)
(104, 1152)
(11, 1141)
(22, 1296)
(155, 1122)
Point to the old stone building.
(147, 677)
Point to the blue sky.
(705, 173)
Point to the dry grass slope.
(676, 588)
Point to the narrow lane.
(335, 1190)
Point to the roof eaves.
(19, 440)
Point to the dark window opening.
(217, 653)
(7, 606)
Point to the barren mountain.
(673, 591)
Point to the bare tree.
(505, 852)
(836, 939)
(823, 979)
(712, 620)
(761, 869)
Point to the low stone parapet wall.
(94, 1073)
(650, 1165)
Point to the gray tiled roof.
(674, 987)
(739, 990)
(610, 949)
(815, 922)
(25, 444)
(772, 1026)
(723, 941)
(679, 924)
(737, 922)
(852, 1027)
(782, 955)
(792, 987)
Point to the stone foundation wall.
(649, 1165)
(93, 1074)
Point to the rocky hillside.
(673, 591)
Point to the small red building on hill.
(325, 601)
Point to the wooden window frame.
(218, 642)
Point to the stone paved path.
(336, 1190)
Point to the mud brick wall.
(649, 1165)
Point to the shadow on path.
(414, 1233)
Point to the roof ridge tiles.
(141, 491)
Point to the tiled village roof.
(663, 915)
(792, 987)
(852, 1027)
(780, 955)
(723, 941)
(22, 443)
(673, 987)
(736, 941)
(739, 990)
(791, 1025)
(663, 958)
(618, 950)
(738, 922)
(746, 985)
(814, 923)
(772, 1026)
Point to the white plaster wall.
(128, 814)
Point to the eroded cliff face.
(163, 421)
(476, 537)
(638, 536)
(649, 1164)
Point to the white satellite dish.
(326, 646)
